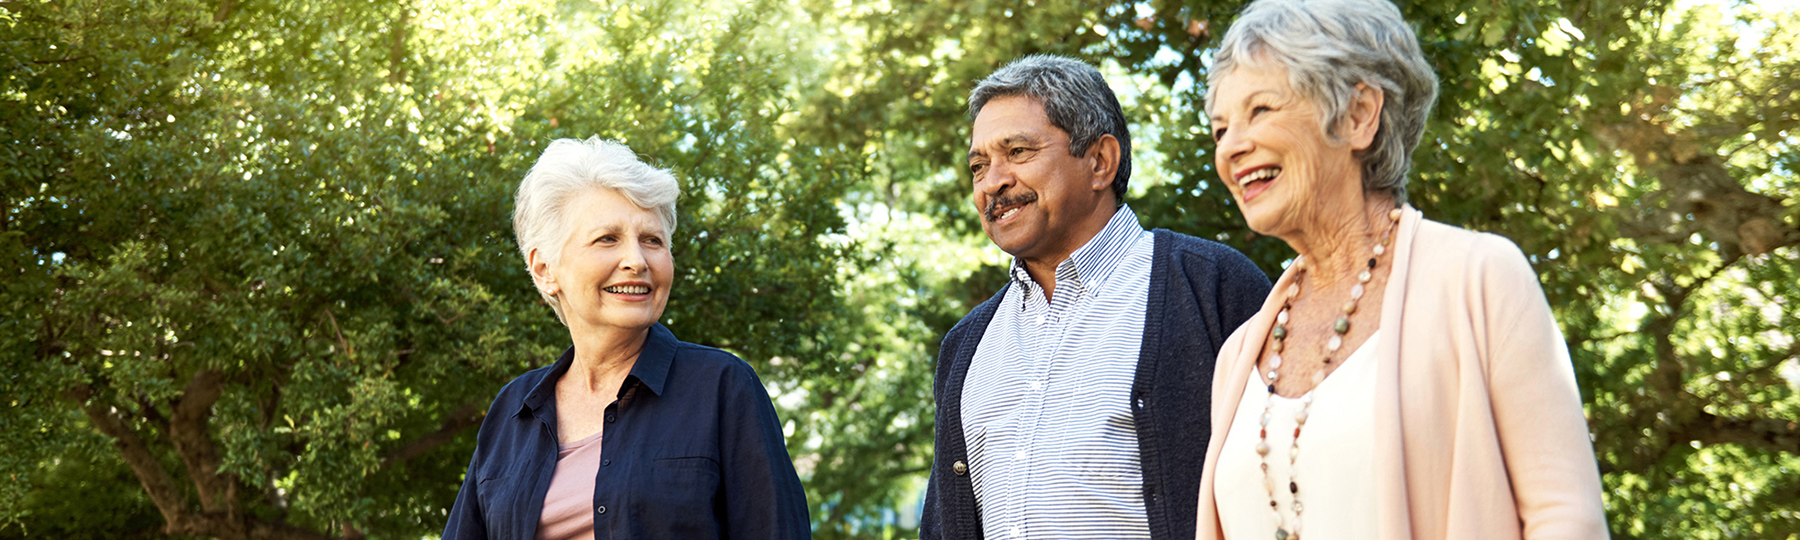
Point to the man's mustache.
(1006, 200)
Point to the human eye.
(1218, 134)
(1259, 109)
(976, 168)
(655, 240)
(606, 239)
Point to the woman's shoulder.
(1471, 258)
(694, 357)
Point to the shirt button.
(600, 509)
(960, 468)
(1140, 403)
(1019, 455)
(609, 418)
(605, 463)
(1040, 319)
(1036, 386)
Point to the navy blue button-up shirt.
(693, 450)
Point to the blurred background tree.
(259, 278)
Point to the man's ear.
(1364, 120)
(541, 274)
(1105, 155)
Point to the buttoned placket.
(1044, 321)
(601, 513)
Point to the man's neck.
(1043, 269)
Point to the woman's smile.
(631, 291)
(1257, 180)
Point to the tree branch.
(462, 418)
(187, 429)
(1740, 220)
(156, 481)
(1768, 434)
(397, 46)
(224, 11)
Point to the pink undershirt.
(569, 505)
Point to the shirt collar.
(651, 368)
(1089, 267)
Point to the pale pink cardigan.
(1478, 426)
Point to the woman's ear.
(1364, 120)
(541, 274)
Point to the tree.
(259, 271)
(259, 253)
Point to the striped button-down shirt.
(1053, 449)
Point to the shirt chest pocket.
(681, 488)
(500, 490)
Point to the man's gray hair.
(1075, 97)
(570, 168)
(1328, 47)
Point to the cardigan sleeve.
(1536, 403)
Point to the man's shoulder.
(1190, 249)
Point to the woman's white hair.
(569, 168)
(1330, 46)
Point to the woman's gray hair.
(569, 168)
(1075, 97)
(1328, 47)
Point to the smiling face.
(615, 269)
(1274, 156)
(1035, 200)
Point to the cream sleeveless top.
(1335, 473)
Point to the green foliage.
(260, 279)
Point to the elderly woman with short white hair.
(1405, 379)
(692, 446)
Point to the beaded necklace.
(1278, 336)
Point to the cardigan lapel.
(1394, 520)
(964, 524)
(1230, 375)
(1236, 366)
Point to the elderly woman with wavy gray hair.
(1405, 378)
(692, 449)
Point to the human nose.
(996, 179)
(1233, 146)
(632, 259)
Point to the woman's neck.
(604, 356)
(1336, 247)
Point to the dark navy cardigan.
(1200, 291)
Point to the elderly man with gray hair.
(693, 448)
(1073, 403)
